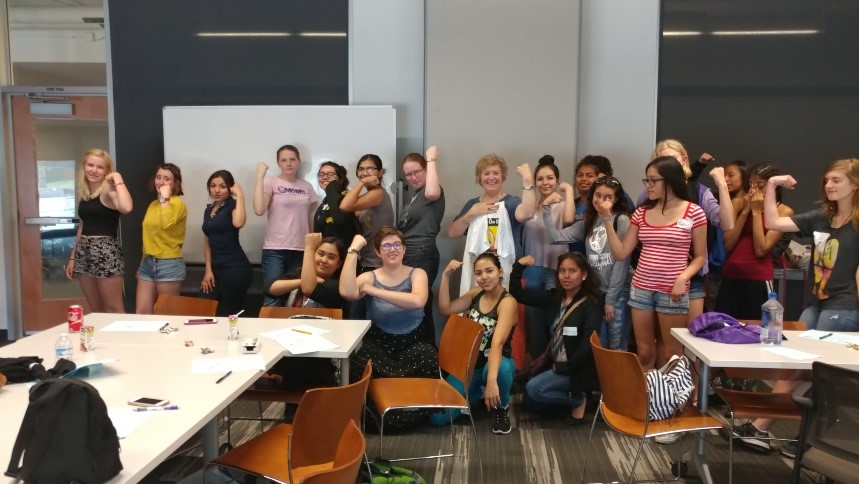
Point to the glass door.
(50, 135)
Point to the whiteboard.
(204, 139)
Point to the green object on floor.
(386, 473)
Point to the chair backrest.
(347, 461)
(787, 325)
(321, 416)
(621, 381)
(457, 350)
(173, 305)
(286, 313)
(834, 417)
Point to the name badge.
(571, 331)
(685, 224)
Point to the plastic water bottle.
(63, 347)
(772, 321)
(233, 325)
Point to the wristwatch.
(352, 250)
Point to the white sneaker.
(667, 439)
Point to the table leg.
(698, 455)
(344, 371)
(210, 440)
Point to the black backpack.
(66, 436)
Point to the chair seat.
(388, 393)
(265, 454)
(689, 419)
(830, 466)
(760, 404)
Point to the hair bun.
(546, 160)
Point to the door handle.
(50, 220)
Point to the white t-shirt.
(289, 212)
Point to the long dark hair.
(744, 175)
(673, 177)
(765, 171)
(620, 204)
(590, 285)
(340, 170)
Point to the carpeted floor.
(539, 449)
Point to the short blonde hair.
(84, 193)
(487, 160)
(675, 145)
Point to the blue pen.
(156, 409)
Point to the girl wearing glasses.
(541, 275)
(491, 305)
(667, 224)
(228, 271)
(96, 259)
(329, 220)
(613, 274)
(420, 221)
(394, 295)
(290, 203)
(373, 204)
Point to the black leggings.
(231, 287)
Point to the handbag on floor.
(669, 388)
(383, 472)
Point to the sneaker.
(667, 439)
(502, 421)
(751, 437)
(789, 449)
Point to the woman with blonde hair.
(96, 259)
(493, 221)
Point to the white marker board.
(204, 139)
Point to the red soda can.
(76, 318)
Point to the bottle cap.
(773, 295)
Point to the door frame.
(11, 297)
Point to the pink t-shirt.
(664, 249)
(289, 212)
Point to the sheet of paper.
(135, 326)
(309, 329)
(830, 336)
(126, 420)
(791, 353)
(301, 329)
(300, 343)
(229, 363)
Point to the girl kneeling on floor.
(491, 305)
(573, 313)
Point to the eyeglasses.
(649, 182)
(368, 169)
(392, 246)
(608, 181)
(326, 174)
(413, 174)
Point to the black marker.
(224, 377)
(826, 336)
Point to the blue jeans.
(536, 326)
(276, 262)
(830, 319)
(506, 370)
(615, 333)
(549, 389)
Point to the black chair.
(830, 424)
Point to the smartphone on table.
(148, 402)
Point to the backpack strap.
(40, 394)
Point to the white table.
(719, 355)
(159, 365)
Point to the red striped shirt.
(664, 249)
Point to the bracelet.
(529, 187)
(606, 220)
(432, 160)
(118, 184)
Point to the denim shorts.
(657, 301)
(161, 270)
(697, 290)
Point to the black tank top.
(97, 219)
